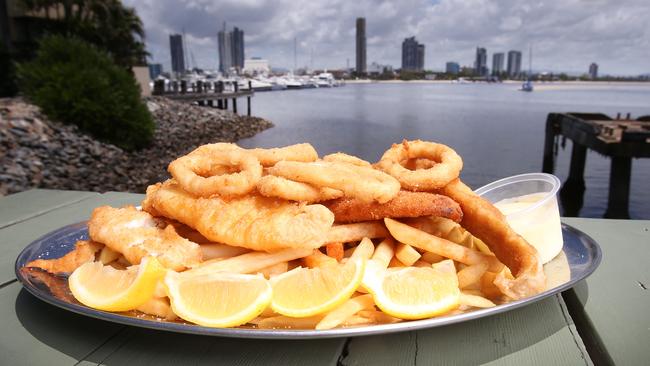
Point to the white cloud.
(567, 35)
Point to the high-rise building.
(480, 64)
(176, 50)
(452, 68)
(154, 71)
(514, 64)
(497, 63)
(593, 70)
(412, 55)
(361, 46)
(238, 48)
(231, 49)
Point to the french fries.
(221, 251)
(354, 232)
(348, 309)
(249, 262)
(425, 241)
(471, 275)
(406, 254)
(364, 250)
(318, 259)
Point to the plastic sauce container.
(529, 202)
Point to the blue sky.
(566, 35)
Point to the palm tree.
(108, 24)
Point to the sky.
(566, 35)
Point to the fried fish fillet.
(487, 223)
(251, 221)
(137, 234)
(83, 252)
(405, 204)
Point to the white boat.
(325, 80)
(256, 85)
(527, 86)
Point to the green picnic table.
(603, 320)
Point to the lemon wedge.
(218, 299)
(413, 292)
(106, 288)
(304, 292)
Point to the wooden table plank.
(538, 334)
(37, 333)
(611, 307)
(20, 206)
(148, 347)
(19, 235)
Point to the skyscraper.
(497, 63)
(514, 63)
(361, 46)
(238, 48)
(231, 49)
(412, 55)
(452, 68)
(593, 70)
(480, 65)
(154, 71)
(176, 50)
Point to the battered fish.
(251, 221)
(137, 234)
(83, 252)
(487, 223)
(405, 204)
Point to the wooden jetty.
(621, 139)
(205, 93)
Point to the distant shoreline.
(543, 84)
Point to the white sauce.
(540, 227)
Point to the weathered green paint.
(613, 300)
(539, 334)
(36, 333)
(21, 206)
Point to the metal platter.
(581, 255)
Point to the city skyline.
(566, 36)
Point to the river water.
(498, 130)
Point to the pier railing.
(205, 93)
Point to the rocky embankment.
(38, 153)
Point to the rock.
(37, 152)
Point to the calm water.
(498, 130)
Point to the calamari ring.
(194, 171)
(439, 175)
(299, 152)
(364, 183)
(272, 186)
(345, 158)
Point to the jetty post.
(234, 99)
(248, 98)
(619, 139)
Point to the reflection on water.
(498, 130)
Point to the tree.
(105, 23)
(76, 83)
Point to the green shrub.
(75, 83)
(7, 80)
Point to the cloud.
(566, 35)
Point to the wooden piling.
(573, 190)
(248, 98)
(234, 100)
(619, 188)
(548, 165)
